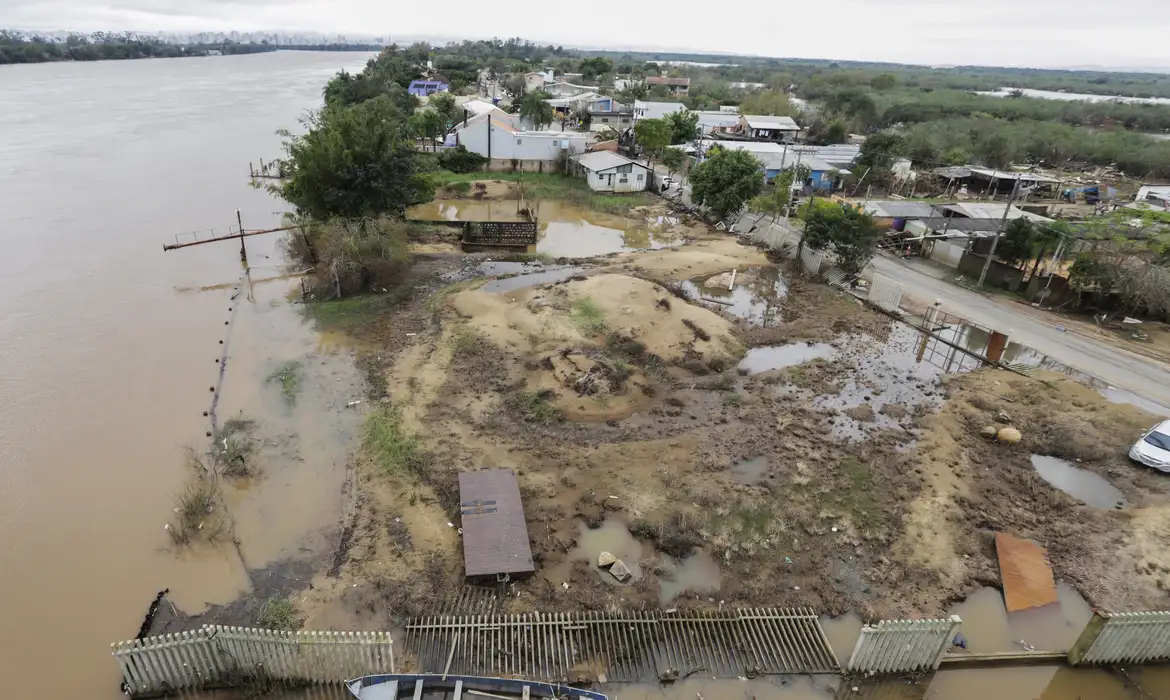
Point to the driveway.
(1119, 368)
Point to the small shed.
(495, 535)
(606, 171)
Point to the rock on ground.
(620, 571)
(605, 559)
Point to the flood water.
(563, 229)
(109, 347)
(1085, 486)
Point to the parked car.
(1153, 449)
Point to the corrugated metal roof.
(993, 174)
(763, 121)
(993, 210)
(656, 110)
(597, 161)
(495, 536)
(895, 209)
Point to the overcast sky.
(1040, 33)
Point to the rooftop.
(761, 121)
(656, 110)
(993, 174)
(992, 210)
(895, 209)
(495, 536)
(663, 80)
(597, 161)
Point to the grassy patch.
(395, 450)
(732, 399)
(465, 342)
(279, 614)
(634, 352)
(533, 407)
(346, 313)
(857, 489)
(560, 187)
(589, 317)
(288, 376)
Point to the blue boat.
(392, 686)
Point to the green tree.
(771, 102)
(653, 135)
(1015, 245)
(848, 232)
(355, 162)
(534, 107)
(461, 160)
(593, 68)
(885, 81)
(684, 126)
(427, 124)
(445, 106)
(726, 180)
(674, 160)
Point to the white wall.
(523, 145)
(603, 182)
(948, 253)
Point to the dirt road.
(1141, 376)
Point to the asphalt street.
(1119, 368)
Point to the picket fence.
(885, 293)
(216, 655)
(894, 646)
(1111, 638)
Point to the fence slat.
(897, 646)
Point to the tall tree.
(848, 231)
(684, 126)
(653, 135)
(771, 102)
(674, 160)
(534, 107)
(355, 162)
(726, 180)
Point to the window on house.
(600, 176)
(625, 168)
(639, 177)
(605, 120)
(517, 142)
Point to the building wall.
(947, 253)
(508, 146)
(533, 82)
(611, 181)
(998, 274)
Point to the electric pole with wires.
(999, 232)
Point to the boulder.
(1003, 417)
(620, 571)
(990, 432)
(1008, 435)
(605, 559)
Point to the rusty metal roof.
(495, 536)
(1027, 577)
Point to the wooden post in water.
(243, 250)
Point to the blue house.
(424, 88)
(822, 177)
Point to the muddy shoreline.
(772, 443)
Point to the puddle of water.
(531, 279)
(1085, 486)
(989, 627)
(754, 298)
(842, 633)
(697, 573)
(750, 471)
(612, 537)
(780, 356)
(563, 229)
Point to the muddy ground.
(778, 444)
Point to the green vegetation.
(104, 46)
(194, 506)
(533, 407)
(394, 450)
(288, 375)
(684, 126)
(726, 180)
(355, 161)
(534, 108)
(349, 256)
(461, 160)
(279, 614)
(436, 301)
(589, 317)
(653, 135)
(849, 232)
(856, 490)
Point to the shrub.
(461, 160)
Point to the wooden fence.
(217, 656)
(894, 646)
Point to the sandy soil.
(857, 480)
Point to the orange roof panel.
(1027, 576)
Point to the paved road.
(1132, 373)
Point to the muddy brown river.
(108, 348)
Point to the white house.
(568, 89)
(606, 171)
(507, 147)
(536, 80)
(767, 128)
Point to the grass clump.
(732, 399)
(438, 300)
(466, 342)
(279, 614)
(533, 407)
(288, 376)
(393, 448)
(589, 317)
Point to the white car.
(1153, 450)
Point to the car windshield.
(1157, 439)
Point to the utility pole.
(995, 241)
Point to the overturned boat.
(392, 686)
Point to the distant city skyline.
(1040, 34)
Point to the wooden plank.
(1027, 576)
